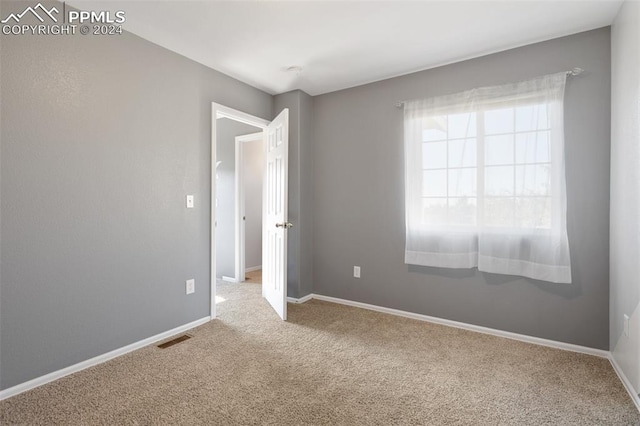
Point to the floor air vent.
(175, 341)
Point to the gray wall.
(625, 190)
(101, 139)
(300, 251)
(253, 160)
(359, 199)
(225, 193)
(305, 285)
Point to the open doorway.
(227, 124)
(249, 150)
(230, 197)
(274, 205)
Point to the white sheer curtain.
(485, 180)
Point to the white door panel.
(274, 253)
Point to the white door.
(275, 225)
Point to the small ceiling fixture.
(295, 68)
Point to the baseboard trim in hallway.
(39, 381)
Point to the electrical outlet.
(191, 286)
(356, 272)
(626, 325)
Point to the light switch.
(189, 201)
(625, 324)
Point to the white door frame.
(240, 224)
(221, 111)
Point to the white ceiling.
(342, 44)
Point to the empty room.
(320, 212)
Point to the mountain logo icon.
(34, 11)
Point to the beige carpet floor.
(332, 365)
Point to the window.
(494, 163)
(485, 180)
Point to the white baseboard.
(500, 333)
(253, 268)
(39, 381)
(625, 381)
(229, 279)
(300, 300)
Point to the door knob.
(284, 225)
